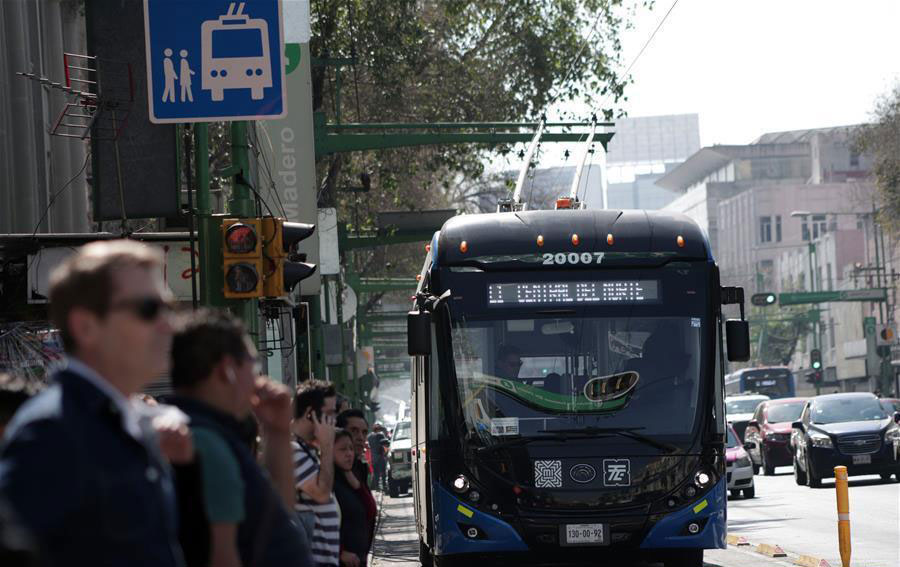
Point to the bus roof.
(516, 233)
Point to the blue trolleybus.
(567, 386)
(772, 381)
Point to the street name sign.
(798, 298)
(214, 60)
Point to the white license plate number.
(862, 459)
(585, 534)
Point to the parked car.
(739, 410)
(738, 467)
(890, 405)
(768, 434)
(399, 461)
(853, 430)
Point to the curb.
(770, 550)
(776, 551)
(810, 561)
(737, 540)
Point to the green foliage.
(881, 141)
(449, 61)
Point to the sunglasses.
(145, 308)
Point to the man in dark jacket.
(377, 441)
(79, 465)
(248, 518)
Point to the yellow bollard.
(843, 508)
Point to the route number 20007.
(561, 258)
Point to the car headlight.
(820, 440)
(744, 462)
(892, 434)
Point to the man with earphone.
(248, 510)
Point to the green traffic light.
(816, 365)
(770, 299)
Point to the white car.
(738, 467)
(739, 411)
(399, 461)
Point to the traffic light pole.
(242, 204)
(204, 210)
(815, 324)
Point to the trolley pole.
(843, 509)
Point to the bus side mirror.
(737, 336)
(418, 333)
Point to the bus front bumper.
(463, 529)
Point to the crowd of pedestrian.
(231, 470)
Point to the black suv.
(853, 430)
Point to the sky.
(753, 66)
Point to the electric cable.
(644, 47)
(56, 194)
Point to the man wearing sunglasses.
(79, 464)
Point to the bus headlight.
(460, 484)
(702, 479)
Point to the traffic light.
(815, 359)
(763, 299)
(283, 267)
(885, 336)
(242, 258)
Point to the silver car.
(399, 462)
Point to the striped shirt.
(325, 543)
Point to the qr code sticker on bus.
(547, 474)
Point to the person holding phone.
(313, 429)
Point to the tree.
(881, 142)
(450, 61)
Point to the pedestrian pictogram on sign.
(234, 51)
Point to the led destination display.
(573, 293)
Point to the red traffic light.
(240, 238)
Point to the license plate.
(584, 534)
(862, 459)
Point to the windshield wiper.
(545, 436)
(629, 432)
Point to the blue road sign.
(211, 60)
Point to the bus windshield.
(775, 383)
(527, 376)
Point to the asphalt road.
(803, 520)
(396, 543)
